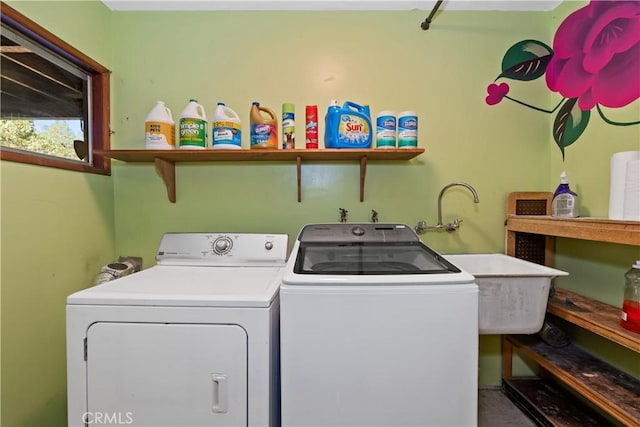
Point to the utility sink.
(513, 292)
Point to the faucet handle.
(421, 227)
(453, 226)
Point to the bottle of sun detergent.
(348, 126)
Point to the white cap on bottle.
(564, 179)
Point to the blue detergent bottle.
(348, 126)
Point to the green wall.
(596, 269)
(57, 230)
(587, 161)
(381, 59)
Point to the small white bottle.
(565, 201)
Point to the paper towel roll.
(624, 193)
(631, 210)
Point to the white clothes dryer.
(377, 329)
(192, 341)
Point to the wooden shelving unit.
(562, 409)
(165, 160)
(611, 390)
(596, 229)
(595, 316)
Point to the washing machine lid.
(353, 254)
(355, 258)
(187, 286)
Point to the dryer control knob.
(268, 245)
(222, 245)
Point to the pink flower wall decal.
(597, 55)
(595, 61)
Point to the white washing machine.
(376, 329)
(192, 341)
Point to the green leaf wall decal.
(569, 124)
(526, 60)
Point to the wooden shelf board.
(595, 316)
(549, 404)
(259, 155)
(597, 229)
(613, 391)
(165, 160)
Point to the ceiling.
(329, 5)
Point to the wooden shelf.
(530, 234)
(597, 229)
(595, 316)
(260, 155)
(611, 390)
(544, 401)
(165, 160)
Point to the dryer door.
(166, 374)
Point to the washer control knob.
(222, 245)
(268, 245)
(357, 231)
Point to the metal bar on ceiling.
(427, 22)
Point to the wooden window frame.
(100, 102)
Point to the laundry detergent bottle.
(193, 126)
(227, 130)
(348, 126)
(264, 127)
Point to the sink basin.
(513, 292)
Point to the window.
(54, 102)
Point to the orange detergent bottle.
(264, 127)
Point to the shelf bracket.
(299, 173)
(165, 160)
(167, 170)
(363, 175)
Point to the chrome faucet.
(422, 227)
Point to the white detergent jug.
(160, 130)
(193, 126)
(227, 130)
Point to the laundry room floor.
(496, 410)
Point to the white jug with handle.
(160, 130)
(193, 126)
